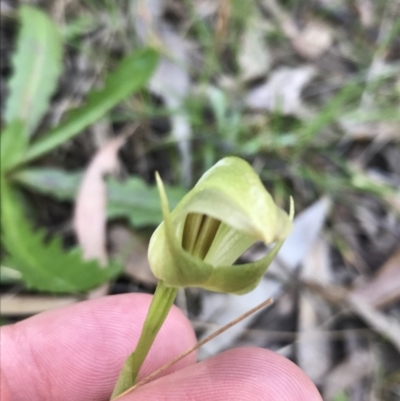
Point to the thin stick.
(151, 376)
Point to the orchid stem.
(161, 304)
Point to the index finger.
(77, 352)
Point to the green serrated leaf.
(132, 198)
(45, 267)
(132, 74)
(37, 65)
(13, 143)
(54, 182)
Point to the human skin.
(76, 353)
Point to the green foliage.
(50, 181)
(45, 267)
(13, 143)
(34, 81)
(132, 74)
(341, 397)
(37, 65)
(327, 115)
(132, 198)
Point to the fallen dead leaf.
(385, 325)
(360, 364)
(89, 219)
(313, 354)
(254, 58)
(366, 11)
(205, 8)
(311, 41)
(282, 92)
(394, 201)
(222, 23)
(384, 288)
(307, 228)
(381, 131)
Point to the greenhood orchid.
(197, 244)
(223, 215)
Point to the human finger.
(240, 374)
(76, 353)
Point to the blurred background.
(307, 92)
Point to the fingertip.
(5, 393)
(77, 352)
(239, 374)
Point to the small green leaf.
(37, 65)
(13, 143)
(132, 198)
(132, 74)
(45, 267)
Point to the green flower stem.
(161, 304)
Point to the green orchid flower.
(223, 215)
(197, 244)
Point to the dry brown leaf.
(26, 305)
(384, 288)
(282, 91)
(311, 41)
(132, 249)
(89, 220)
(381, 323)
(367, 12)
(346, 233)
(254, 58)
(222, 23)
(381, 131)
(394, 201)
(205, 8)
(359, 365)
(313, 354)
(378, 321)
